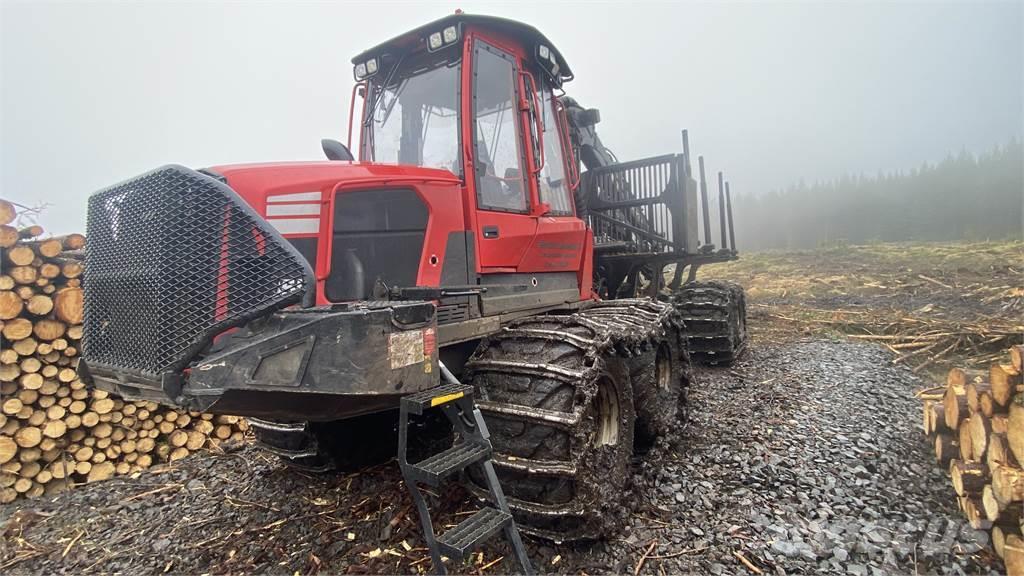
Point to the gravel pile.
(802, 458)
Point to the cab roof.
(525, 33)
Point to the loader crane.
(485, 240)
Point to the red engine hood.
(275, 177)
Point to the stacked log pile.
(54, 432)
(976, 425)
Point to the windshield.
(416, 119)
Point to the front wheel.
(561, 423)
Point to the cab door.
(560, 238)
(505, 224)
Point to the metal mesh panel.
(173, 258)
(639, 202)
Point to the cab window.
(497, 149)
(414, 120)
(553, 187)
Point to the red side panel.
(557, 247)
(586, 269)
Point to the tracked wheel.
(557, 396)
(715, 315)
(660, 378)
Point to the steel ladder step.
(473, 531)
(436, 468)
(433, 397)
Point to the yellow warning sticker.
(446, 398)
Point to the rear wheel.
(660, 378)
(715, 315)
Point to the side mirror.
(335, 150)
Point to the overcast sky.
(93, 93)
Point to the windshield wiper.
(380, 95)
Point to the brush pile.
(54, 432)
(976, 425)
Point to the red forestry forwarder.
(463, 263)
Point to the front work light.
(434, 42)
(451, 34)
(371, 66)
(360, 71)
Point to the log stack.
(54, 432)
(975, 424)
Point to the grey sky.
(94, 93)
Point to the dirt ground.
(934, 305)
(804, 457)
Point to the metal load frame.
(645, 215)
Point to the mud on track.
(802, 458)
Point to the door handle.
(490, 231)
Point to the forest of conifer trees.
(964, 197)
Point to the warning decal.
(405, 348)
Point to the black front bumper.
(322, 363)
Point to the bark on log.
(945, 449)
(974, 512)
(968, 478)
(999, 534)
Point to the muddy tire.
(660, 378)
(557, 397)
(715, 315)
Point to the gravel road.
(802, 458)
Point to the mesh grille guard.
(174, 258)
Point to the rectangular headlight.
(434, 41)
(451, 34)
(371, 66)
(360, 71)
